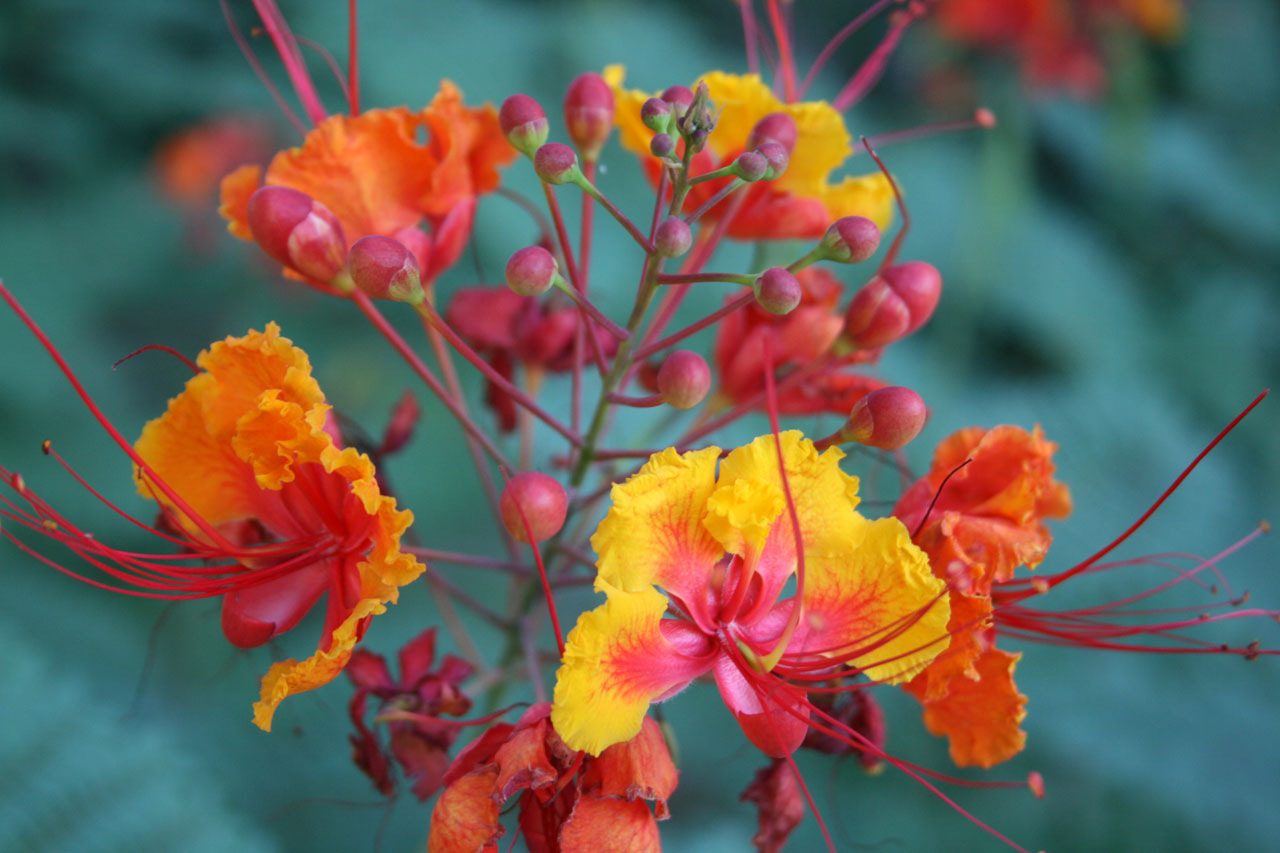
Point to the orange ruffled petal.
(235, 191)
(981, 718)
(465, 818)
(610, 826)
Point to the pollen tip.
(1035, 781)
(19, 484)
(49, 524)
(1040, 585)
(984, 118)
(46, 446)
(1264, 526)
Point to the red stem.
(353, 57)
(785, 60)
(291, 56)
(837, 40)
(711, 319)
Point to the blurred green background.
(1111, 272)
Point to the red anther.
(679, 97)
(588, 113)
(894, 304)
(524, 123)
(298, 231)
(556, 163)
(888, 418)
(673, 238)
(656, 115)
(778, 291)
(531, 271)
(1036, 783)
(775, 127)
(751, 166)
(684, 379)
(777, 158)
(662, 146)
(851, 240)
(536, 499)
(385, 269)
(984, 118)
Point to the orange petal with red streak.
(465, 818)
(981, 718)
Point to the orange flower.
(268, 511)
(375, 175)
(799, 204)
(190, 163)
(569, 802)
(987, 521)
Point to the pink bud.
(298, 231)
(894, 304)
(673, 238)
(385, 269)
(679, 97)
(777, 158)
(751, 166)
(984, 118)
(588, 113)
(888, 418)
(778, 128)
(684, 379)
(555, 163)
(662, 146)
(524, 123)
(656, 115)
(851, 240)
(531, 271)
(537, 499)
(778, 291)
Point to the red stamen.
(786, 63)
(866, 77)
(937, 495)
(892, 254)
(982, 119)
(332, 63)
(259, 71)
(162, 348)
(353, 57)
(291, 57)
(839, 39)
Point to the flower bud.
(556, 163)
(851, 240)
(894, 304)
(385, 269)
(524, 123)
(537, 499)
(656, 115)
(778, 128)
(531, 271)
(888, 418)
(298, 231)
(588, 113)
(679, 97)
(673, 238)
(662, 146)
(778, 291)
(684, 379)
(751, 166)
(777, 158)
(698, 139)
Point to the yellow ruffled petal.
(822, 144)
(875, 603)
(866, 195)
(616, 661)
(632, 133)
(741, 513)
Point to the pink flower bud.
(298, 231)
(656, 115)
(385, 269)
(851, 240)
(531, 271)
(778, 128)
(524, 123)
(778, 291)
(556, 163)
(777, 158)
(537, 499)
(662, 146)
(751, 166)
(684, 379)
(588, 113)
(673, 238)
(888, 418)
(679, 97)
(894, 304)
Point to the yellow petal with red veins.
(876, 604)
(465, 818)
(981, 718)
(653, 533)
(616, 661)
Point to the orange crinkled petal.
(469, 146)
(235, 190)
(981, 718)
(465, 818)
(640, 767)
(610, 826)
(970, 620)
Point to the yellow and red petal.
(638, 768)
(653, 533)
(617, 661)
(465, 818)
(981, 718)
(235, 190)
(774, 716)
(875, 603)
(610, 826)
